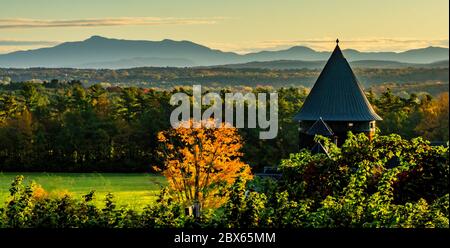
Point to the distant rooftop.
(321, 128)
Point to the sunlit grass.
(132, 189)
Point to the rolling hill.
(301, 64)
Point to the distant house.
(336, 104)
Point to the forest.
(66, 127)
(169, 77)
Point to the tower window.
(350, 124)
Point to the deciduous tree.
(202, 163)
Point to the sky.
(240, 26)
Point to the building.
(336, 104)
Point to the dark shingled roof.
(321, 128)
(337, 95)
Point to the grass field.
(133, 189)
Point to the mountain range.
(301, 64)
(99, 52)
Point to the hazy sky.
(231, 25)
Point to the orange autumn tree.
(202, 163)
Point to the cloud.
(11, 45)
(327, 44)
(28, 43)
(21, 23)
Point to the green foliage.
(355, 186)
(166, 213)
(413, 115)
(80, 129)
(244, 208)
(30, 206)
(386, 182)
(133, 189)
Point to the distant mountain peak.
(435, 47)
(429, 48)
(168, 40)
(301, 48)
(351, 50)
(96, 37)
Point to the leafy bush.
(387, 182)
(30, 206)
(357, 185)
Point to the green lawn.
(133, 189)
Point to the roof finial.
(337, 41)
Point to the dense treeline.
(169, 77)
(413, 116)
(80, 129)
(356, 185)
(433, 88)
(67, 127)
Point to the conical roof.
(337, 95)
